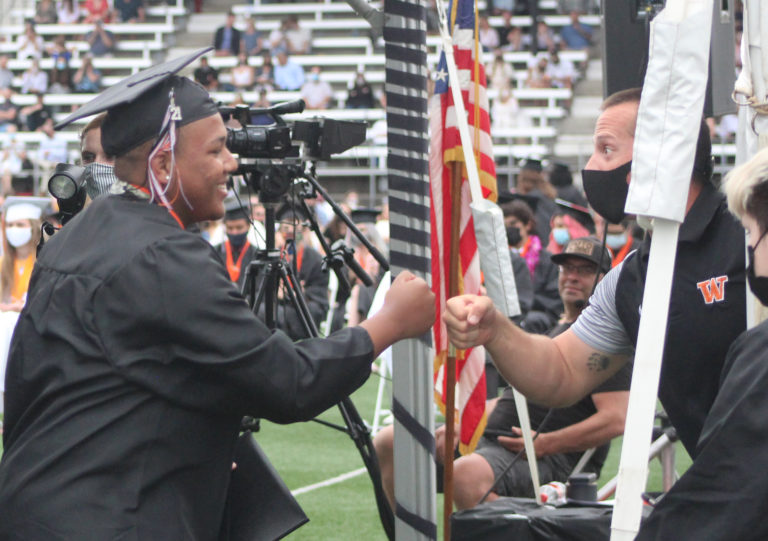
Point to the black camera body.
(277, 153)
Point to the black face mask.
(237, 241)
(607, 191)
(513, 235)
(758, 284)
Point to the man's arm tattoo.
(598, 362)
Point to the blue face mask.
(237, 241)
(561, 235)
(615, 240)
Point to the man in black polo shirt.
(707, 307)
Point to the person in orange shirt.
(21, 234)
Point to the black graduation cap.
(530, 200)
(137, 105)
(233, 210)
(560, 175)
(533, 165)
(364, 215)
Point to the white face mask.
(18, 236)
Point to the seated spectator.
(317, 94)
(563, 437)
(276, 39)
(576, 35)
(53, 148)
(87, 78)
(538, 76)
(34, 80)
(563, 228)
(562, 73)
(265, 74)
(291, 37)
(205, 74)
(499, 72)
(360, 96)
(262, 103)
(29, 44)
(226, 41)
(516, 41)
(45, 12)
(12, 158)
(521, 235)
(130, 11)
(506, 112)
(288, 74)
(97, 10)
(538, 193)
(6, 75)
(488, 37)
(546, 38)
(61, 80)
(101, 40)
(297, 39)
(243, 75)
(504, 29)
(252, 42)
(60, 53)
(68, 11)
(8, 111)
(32, 117)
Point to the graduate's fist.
(411, 304)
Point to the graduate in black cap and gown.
(307, 264)
(136, 357)
(236, 250)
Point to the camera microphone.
(288, 107)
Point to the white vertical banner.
(665, 145)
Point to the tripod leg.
(299, 303)
(356, 427)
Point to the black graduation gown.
(131, 366)
(724, 494)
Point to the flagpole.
(450, 380)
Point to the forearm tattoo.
(598, 362)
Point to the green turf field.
(308, 453)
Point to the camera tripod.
(267, 273)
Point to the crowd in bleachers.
(268, 53)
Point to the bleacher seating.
(341, 46)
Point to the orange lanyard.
(234, 268)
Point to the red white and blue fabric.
(445, 149)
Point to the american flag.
(445, 150)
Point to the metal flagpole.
(665, 144)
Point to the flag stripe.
(446, 149)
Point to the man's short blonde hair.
(746, 188)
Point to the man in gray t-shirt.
(706, 311)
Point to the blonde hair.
(746, 188)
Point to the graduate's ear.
(160, 165)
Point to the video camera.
(275, 154)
